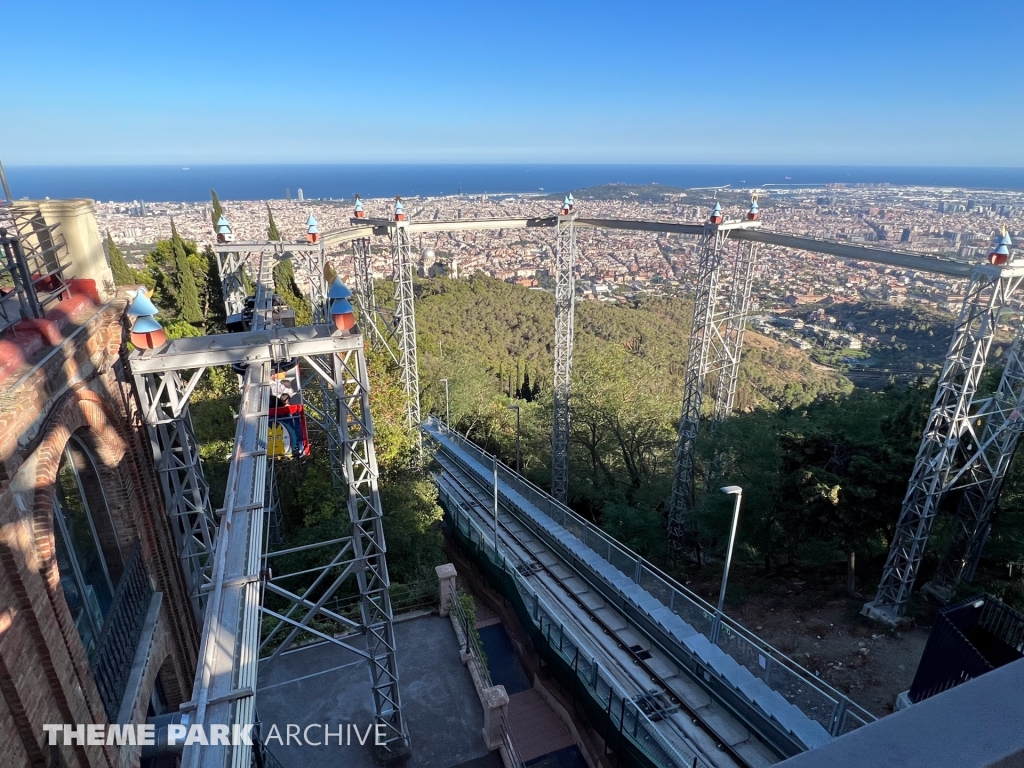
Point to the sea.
(123, 183)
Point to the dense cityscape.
(795, 293)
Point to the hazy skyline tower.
(300, 194)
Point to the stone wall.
(78, 385)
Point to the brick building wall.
(77, 386)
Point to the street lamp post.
(731, 490)
(519, 456)
(447, 409)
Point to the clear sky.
(902, 82)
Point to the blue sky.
(900, 82)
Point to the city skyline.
(657, 83)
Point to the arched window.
(89, 555)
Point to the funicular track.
(709, 732)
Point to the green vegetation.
(123, 274)
(272, 232)
(217, 211)
(824, 467)
(186, 286)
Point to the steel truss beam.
(163, 398)
(405, 319)
(732, 328)
(240, 574)
(565, 312)
(375, 320)
(233, 257)
(951, 448)
(986, 463)
(702, 351)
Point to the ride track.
(732, 744)
(889, 257)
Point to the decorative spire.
(341, 310)
(312, 230)
(716, 214)
(1001, 249)
(399, 210)
(146, 333)
(754, 212)
(224, 233)
(359, 208)
(142, 306)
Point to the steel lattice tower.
(698, 360)
(949, 437)
(164, 409)
(983, 475)
(234, 571)
(727, 364)
(405, 319)
(363, 278)
(565, 311)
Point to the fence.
(623, 717)
(832, 709)
(966, 640)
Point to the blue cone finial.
(338, 290)
(141, 306)
(147, 324)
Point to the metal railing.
(831, 708)
(32, 267)
(112, 657)
(625, 715)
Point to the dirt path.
(809, 619)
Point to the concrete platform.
(328, 684)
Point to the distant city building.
(908, 235)
(287, 193)
(300, 194)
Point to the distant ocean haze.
(270, 182)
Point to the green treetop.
(188, 295)
(218, 211)
(272, 232)
(123, 274)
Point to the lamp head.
(731, 489)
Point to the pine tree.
(525, 393)
(217, 314)
(188, 294)
(272, 233)
(218, 211)
(123, 274)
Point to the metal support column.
(735, 325)
(405, 320)
(565, 310)
(703, 332)
(983, 476)
(362, 269)
(949, 435)
(231, 265)
(163, 398)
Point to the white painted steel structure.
(232, 564)
(715, 346)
